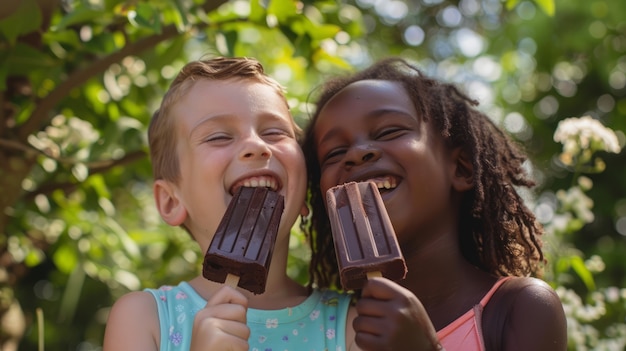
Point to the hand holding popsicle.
(221, 324)
(365, 241)
(391, 317)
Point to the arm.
(530, 315)
(133, 324)
(390, 317)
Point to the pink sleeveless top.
(465, 333)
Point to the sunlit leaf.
(324, 31)
(145, 16)
(98, 184)
(578, 265)
(257, 12)
(547, 6)
(282, 9)
(510, 4)
(33, 258)
(181, 15)
(67, 37)
(65, 258)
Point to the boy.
(222, 125)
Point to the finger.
(232, 328)
(367, 341)
(373, 308)
(227, 295)
(227, 311)
(382, 289)
(368, 325)
(214, 334)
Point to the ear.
(170, 207)
(462, 170)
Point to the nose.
(362, 153)
(254, 147)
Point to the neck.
(449, 290)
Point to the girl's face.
(371, 131)
(230, 134)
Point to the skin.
(230, 133)
(371, 131)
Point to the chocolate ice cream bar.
(365, 242)
(241, 250)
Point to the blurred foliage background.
(79, 80)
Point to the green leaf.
(547, 6)
(68, 37)
(319, 32)
(23, 59)
(181, 18)
(282, 9)
(257, 12)
(145, 16)
(578, 265)
(98, 184)
(78, 16)
(510, 4)
(65, 259)
(25, 19)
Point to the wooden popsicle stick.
(374, 274)
(232, 280)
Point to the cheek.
(326, 182)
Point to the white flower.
(585, 133)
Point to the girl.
(447, 176)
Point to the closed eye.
(333, 156)
(217, 138)
(276, 134)
(390, 133)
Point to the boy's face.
(234, 133)
(371, 131)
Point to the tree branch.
(94, 168)
(79, 77)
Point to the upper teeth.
(387, 183)
(266, 182)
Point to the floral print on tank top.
(297, 328)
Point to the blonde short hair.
(161, 132)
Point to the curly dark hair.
(498, 232)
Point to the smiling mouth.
(256, 182)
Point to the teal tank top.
(317, 324)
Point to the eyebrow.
(379, 113)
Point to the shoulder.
(133, 323)
(525, 314)
(526, 293)
(136, 301)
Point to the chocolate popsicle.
(365, 242)
(241, 250)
